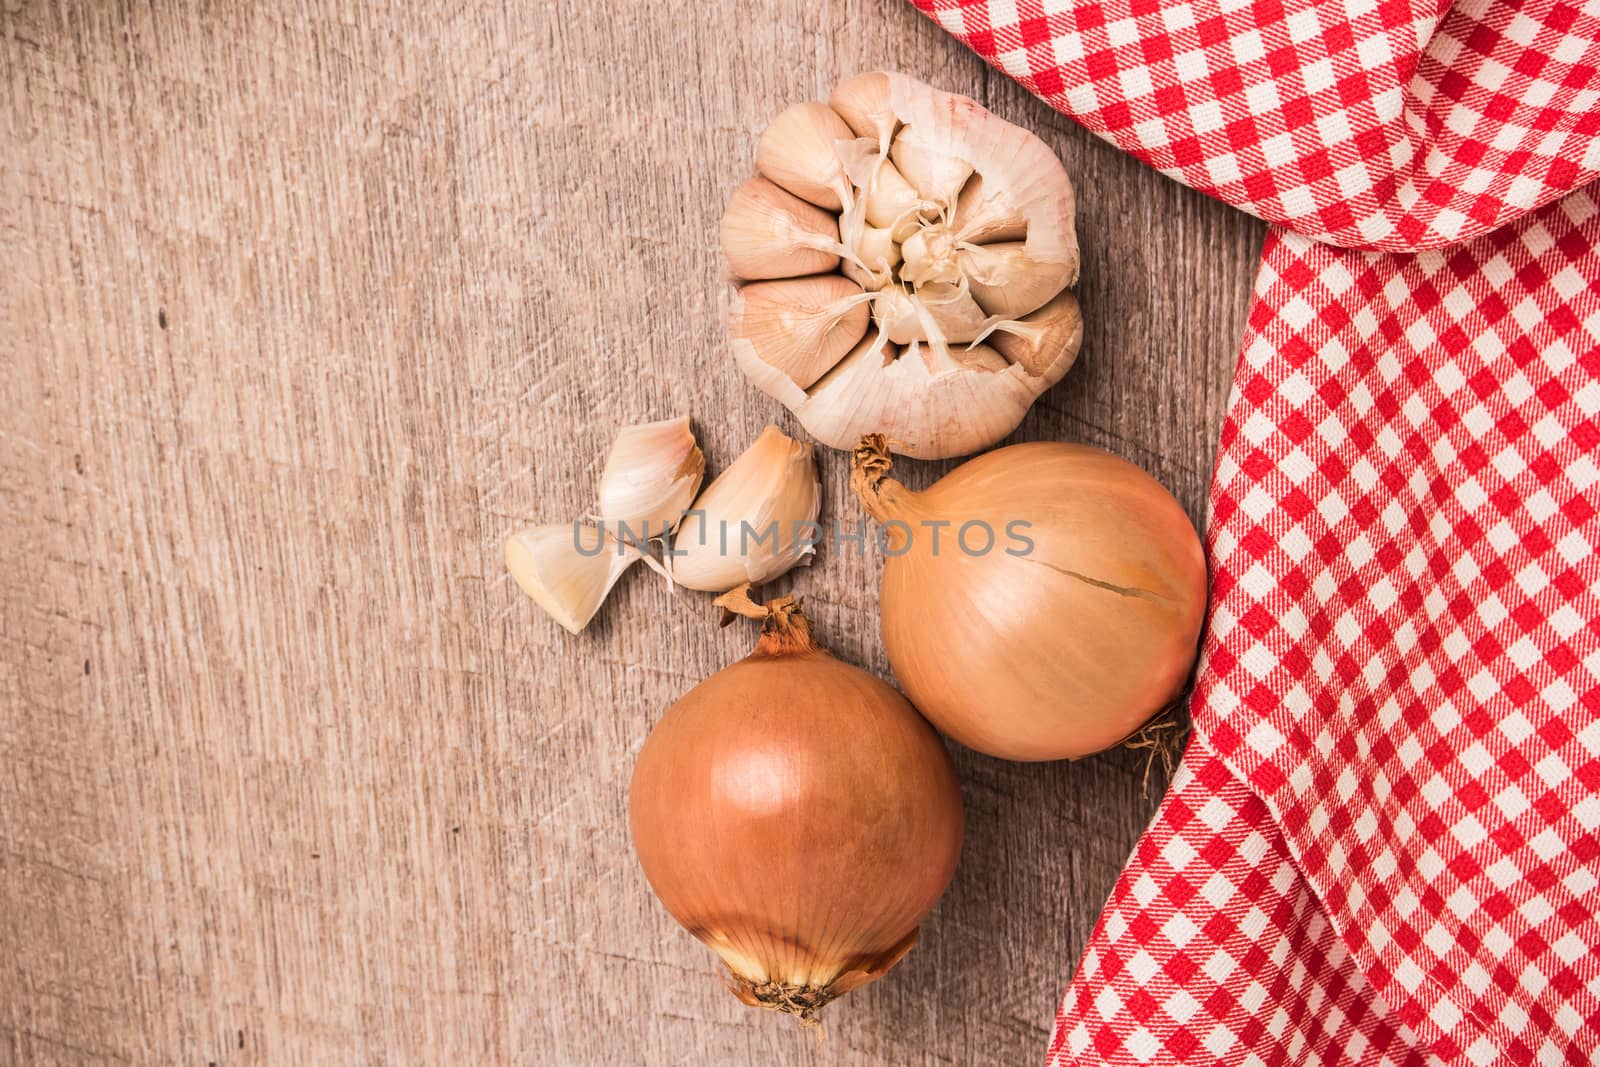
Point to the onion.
(1056, 610)
(797, 815)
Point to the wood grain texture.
(302, 309)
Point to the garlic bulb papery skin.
(798, 326)
(1045, 343)
(770, 233)
(568, 568)
(1041, 601)
(754, 521)
(651, 476)
(957, 225)
(796, 152)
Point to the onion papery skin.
(798, 816)
(1058, 653)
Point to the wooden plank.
(304, 308)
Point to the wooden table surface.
(303, 308)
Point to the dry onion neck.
(885, 498)
(785, 631)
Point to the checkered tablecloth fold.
(1395, 791)
(1403, 659)
(1213, 949)
(1379, 124)
(1383, 845)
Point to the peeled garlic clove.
(754, 521)
(568, 569)
(769, 233)
(1005, 281)
(797, 152)
(651, 475)
(800, 326)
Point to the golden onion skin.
(798, 816)
(1060, 652)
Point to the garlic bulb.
(952, 224)
(652, 473)
(755, 520)
(568, 568)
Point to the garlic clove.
(651, 475)
(754, 521)
(953, 310)
(943, 359)
(1005, 281)
(1046, 343)
(568, 568)
(797, 152)
(888, 200)
(929, 255)
(979, 357)
(770, 233)
(897, 316)
(865, 105)
(876, 249)
(929, 403)
(1021, 178)
(983, 215)
(923, 158)
(801, 326)
(892, 203)
(936, 357)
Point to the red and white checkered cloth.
(1383, 845)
